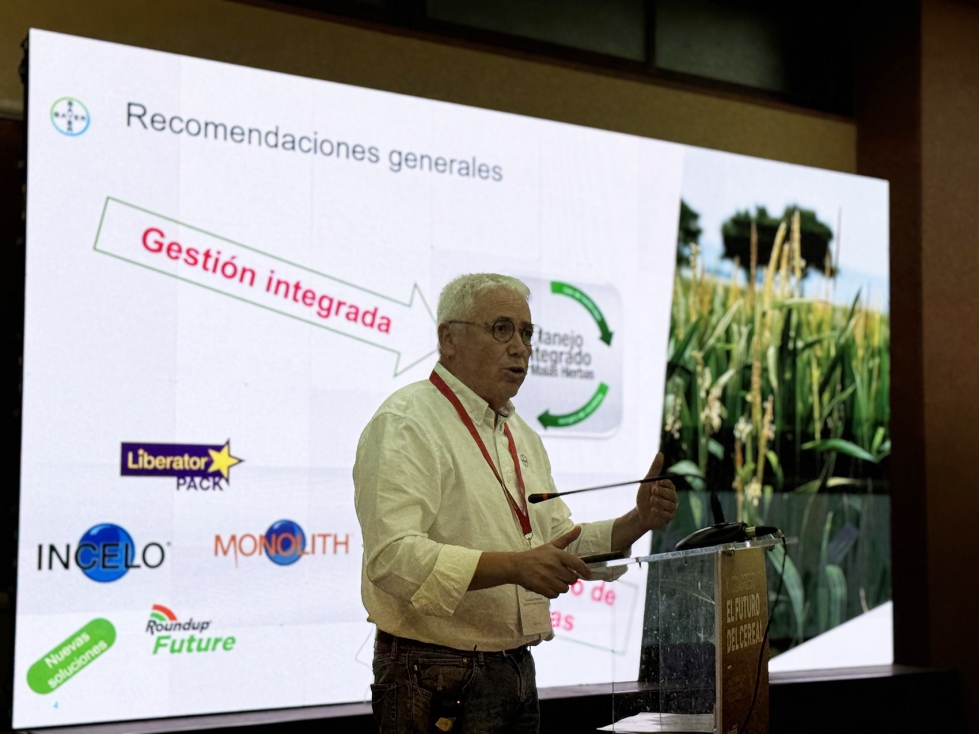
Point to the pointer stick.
(535, 498)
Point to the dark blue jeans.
(420, 688)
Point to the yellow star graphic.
(222, 460)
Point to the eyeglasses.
(502, 330)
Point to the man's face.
(492, 369)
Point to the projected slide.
(228, 271)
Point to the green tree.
(688, 234)
(736, 232)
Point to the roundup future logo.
(70, 116)
(163, 620)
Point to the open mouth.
(517, 371)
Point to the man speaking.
(458, 568)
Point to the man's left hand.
(656, 501)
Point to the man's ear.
(447, 345)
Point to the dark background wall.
(916, 97)
(914, 102)
(11, 318)
(950, 316)
(418, 64)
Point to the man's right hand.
(548, 569)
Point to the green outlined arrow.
(193, 255)
(566, 289)
(569, 419)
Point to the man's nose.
(517, 348)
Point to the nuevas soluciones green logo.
(72, 656)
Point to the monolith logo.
(283, 543)
(70, 116)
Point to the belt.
(386, 643)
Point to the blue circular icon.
(105, 553)
(285, 541)
(70, 116)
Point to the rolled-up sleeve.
(397, 496)
(596, 537)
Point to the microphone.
(722, 532)
(535, 498)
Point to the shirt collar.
(477, 408)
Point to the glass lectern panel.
(685, 634)
(703, 629)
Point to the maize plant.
(768, 390)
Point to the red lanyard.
(521, 514)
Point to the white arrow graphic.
(191, 254)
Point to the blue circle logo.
(285, 541)
(70, 116)
(105, 553)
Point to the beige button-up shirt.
(429, 504)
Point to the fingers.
(554, 591)
(657, 503)
(662, 490)
(567, 576)
(661, 506)
(577, 566)
(567, 539)
(563, 580)
(554, 570)
(657, 467)
(567, 567)
(553, 583)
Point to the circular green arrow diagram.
(569, 419)
(547, 419)
(566, 289)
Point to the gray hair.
(459, 296)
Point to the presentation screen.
(228, 270)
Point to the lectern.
(704, 664)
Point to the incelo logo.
(283, 543)
(105, 553)
(70, 116)
(162, 619)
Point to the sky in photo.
(716, 185)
